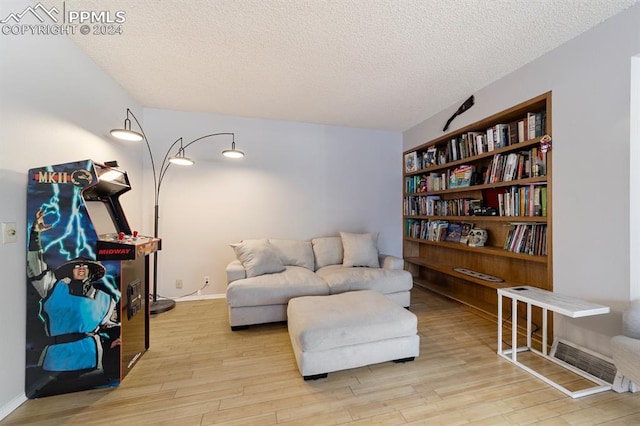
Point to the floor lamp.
(126, 134)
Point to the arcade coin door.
(87, 280)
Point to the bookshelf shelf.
(511, 174)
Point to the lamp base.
(162, 305)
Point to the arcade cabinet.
(87, 280)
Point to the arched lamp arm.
(146, 141)
(208, 136)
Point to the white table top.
(565, 305)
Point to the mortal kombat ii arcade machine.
(87, 280)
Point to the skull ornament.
(477, 237)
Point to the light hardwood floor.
(199, 372)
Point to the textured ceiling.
(382, 64)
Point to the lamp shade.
(232, 153)
(126, 135)
(181, 160)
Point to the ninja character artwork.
(73, 324)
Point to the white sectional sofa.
(270, 272)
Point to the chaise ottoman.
(348, 330)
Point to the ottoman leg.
(316, 376)
(401, 360)
(239, 327)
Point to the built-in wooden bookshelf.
(495, 174)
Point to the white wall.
(56, 106)
(590, 79)
(296, 181)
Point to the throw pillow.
(327, 251)
(360, 249)
(294, 252)
(631, 322)
(257, 257)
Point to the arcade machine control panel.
(125, 247)
(128, 247)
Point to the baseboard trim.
(9, 407)
(201, 297)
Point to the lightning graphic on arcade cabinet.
(74, 224)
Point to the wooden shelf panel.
(448, 270)
(483, 307)
(492, 251)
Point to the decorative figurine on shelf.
(477, 237)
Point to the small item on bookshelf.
(485, 211)
(477, 237)
(545, 143)
(432, 155)
(411, 162)
(464, 232)
(422, 185)
(454, 230)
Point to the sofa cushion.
(294, 252)
(341, 279)
(257, 257)
(360, 249)
(277, 288)
(327, 251)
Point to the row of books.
(502, 168)
(527, 238)
(432, 205)
(438, 230)
(516, 165)
(427, 183)
(528, 200)
(517, 200)
(474, 143)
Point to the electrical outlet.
(9, 233)
(178, 283)
(206, 281)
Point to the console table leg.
(514, 329)
(529, 325)
(544, 331)
(499, 324)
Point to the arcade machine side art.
(87, 301)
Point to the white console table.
(548, 301)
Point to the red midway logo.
(114, 251)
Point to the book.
(454, 149)
(513, 133)
(411, 162)
(490, 141)
(537, 205)
(543, 201)
(454, 231)
(522, 134)
(500, 135)
(461, 176)
(531, 125)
